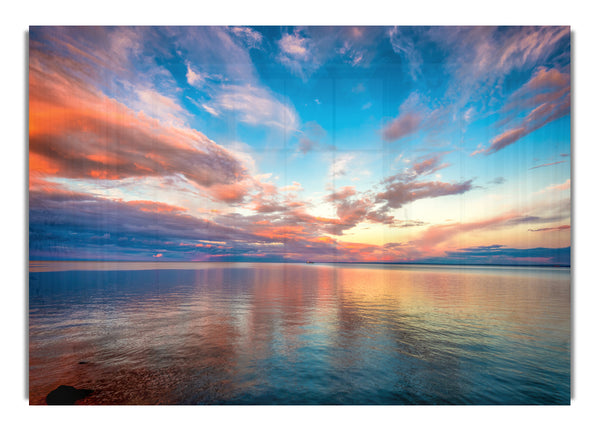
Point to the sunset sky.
(407, 144)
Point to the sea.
(295, 333)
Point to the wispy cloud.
(339, 167)
(312, 138)
(551, 229)
(546, 164)
(547, 93)
(297, 54)
(405, 187)
(254, 105)
(403, 45)
(556, 187)
(479, 58)
(250, 37)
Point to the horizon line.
(308, 262)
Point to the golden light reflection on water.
(275, 333)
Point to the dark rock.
(65, 395)
(82, 362)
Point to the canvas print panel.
(299, 215)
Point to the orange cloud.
(230, 193)
(281, 232)
(157, 207)
(77, 132)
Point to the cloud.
(297, 54)
(161, 107)
(557, 187)
(210, 110)
(437, 235)
(479, 58)
(98, 49)
(311, 138)
(429, 164)
(250, 37)
(351, 54)
(254, 105)
(130, 229)
(194, 78)
(405, 187)
(156, 207)
(305, 145)
(547, 164)
(221, 51)
(551, 229)
(100, 138)
(548, 93)
(546, 79)
(416, 115)
(200, 79)
(294, 187)
(341, 194)
(403, 45)
(78, 132)
(399, 193)
(85, 226)
(404, 125)
(561, 187)
(359, 88)
(305, 50)
(231, 193)
(340, 165)
(498, 180)
(228, 77)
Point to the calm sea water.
(256, 333)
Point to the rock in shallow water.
(65, 395)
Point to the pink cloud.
(547, 164)
(341, 194)
(547, 93)
(399, 193)
(230, 193)
(437, 235)
(430, 165)
(404, 125)
(545, 78)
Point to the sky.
(330, 144)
